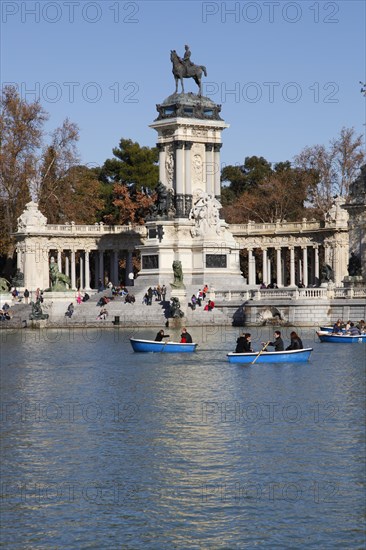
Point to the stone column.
(111, 266)
(19, 259)
(96, 268)
(269, 270)
(264, 269)
(101, 265)
(115, 278)
(81, 270)
(129, 268)
(292, 266)
(67, 264)
(278, 267)
(316, 265)
(217, 167)
(179, 182)
(305, 266)
(59, 260)
(162, 158)
(209, 162)
(73, 270)
(187, 179)
(251, 267)
(87, 270)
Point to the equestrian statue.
(184, 68)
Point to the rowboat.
(340, 338)
(289, 356)
(161, 347)
(330, 329)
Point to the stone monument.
(185, 225)
(356, 208)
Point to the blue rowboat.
(289, 356)
(330, 329)
(341, 338)
(161, 347)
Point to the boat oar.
(260, 353)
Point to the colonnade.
(87, 266)
(287, 266)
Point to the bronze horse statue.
(181, 70)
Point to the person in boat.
(185, 337)
(353, 331)
(337, 327)
(243, 344)
(160, 335)
(361, 325)
(277, 343)
(296, 342)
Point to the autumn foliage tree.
(21, 132)
(130, 205)
(50, 174)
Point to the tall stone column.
(264, 269)
(87, 270)
(187, 178)
(251, 267)
(81, 271)
(305, 266)
(269, 270)
(217, 167)
(19, 259)
(162, 158)
(96, 268)
(316, 264)
(115, 278)
(292, 266)
(59, 260)
(101, 265)
(278, 267)
(179, 173)
(129, 267)
(73, 270)
(67, 264)
(209, 165)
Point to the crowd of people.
(349, 327)
(157, 293)
(199, 298)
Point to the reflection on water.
(104, 448)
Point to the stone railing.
(96, 229)
(252, 228)
(289, 294)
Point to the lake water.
(103, 448)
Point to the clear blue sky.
(286, 73)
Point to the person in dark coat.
(296, 342)
(277, 343)
(160, 335)
(243, 344)
(185, 337)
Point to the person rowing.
(160, 335)
(277, 343)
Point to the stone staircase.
(119, 313)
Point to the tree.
(245, 177)
(130, 205)
(133, 165)
(21, 132)
(334, 168)
(279, 196)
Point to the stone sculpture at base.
(37, 313)
(59, 281)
